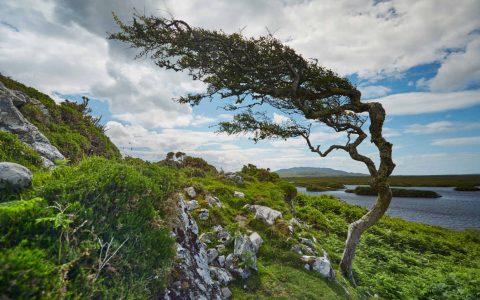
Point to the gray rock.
(14, 176)
(238, 194)
(224, 236)
(221, 261)
(190, 191)
(309, 259)
(207, 237)
(191, 264)
(323, 266)
(213, 201)
(203, 214)
(307, 266)
(226, 293)
(244, 249)
(12, 121)
(212, 254)
(302, 249)
(256, 240)
(192, 204)
(221, 275)
(307, 242)
(235, 177)
(266, 214)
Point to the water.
(454, 210)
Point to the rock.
(212, 254)
(309, 259)
(294, 221)
(303, 249)
(307, 266)
(323, 266)
(191, 264)
(207, 237)
(290, 229)
(203, 214)
(235, 177)
(221, 275)
(190, 191)
(221, 248)
(244, 249)
(221, 261)
(191, 205)
(226, 293)
(14, 176)
(307, 242)
(266, 214)
(256, 240)
(224, 236)
(213, 201)
(238, 194)
(12, 121)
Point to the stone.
(303, 249)
(238, 194)
(207, 237)
(14, 176)
(244, 249)
(221, 261)
(191, 263)
(256, 240)
(266, 214)
(213, 201)
(307, 242)
(323, 266)
(294, 221)
(307, 266)
(212, 254)
(290, 229)
(235, 177)
(226, 293)
(309, 259)
(192, 204)
(12, 121)
(224, 236)
(221, 275)
(190, 191)
(203, 214)
(221, 248)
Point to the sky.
(419, 58)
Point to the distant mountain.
(314, 172)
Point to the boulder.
(238, 194)
(213, 201)
(244, 249)
(224, 236)
(192, 204)
(14, 176)
(221, 261)
(264, 213)
(256, 240)
(226, 293)
(302, 249)
(203, 214)
(190, 191)
(207, 237)
(323, 266)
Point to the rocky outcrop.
(12, 121)
(235, 177)
(238, 194)
(14, 176)
(320, 265)
(192, 278)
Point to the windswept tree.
(253, 76)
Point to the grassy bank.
(368, 191)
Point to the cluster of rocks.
(235, 177)
(12, 121)
(203, 267)
(313, 262)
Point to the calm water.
(455, 210)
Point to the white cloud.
(437, 163)
(459, 141)
(441, 126)
(420, 103)
(373, 91)
(280, 119)
(459, 70)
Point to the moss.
(13, 150)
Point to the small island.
(467, 188)
(397, 192)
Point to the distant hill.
(314, 172)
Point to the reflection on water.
(454, 210)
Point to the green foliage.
(13, 150)
(68, 126)
(467, 188)
(253, 173)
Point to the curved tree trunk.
(356, 229)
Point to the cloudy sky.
(420, 58)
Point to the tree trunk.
(356, 229)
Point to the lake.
(454, 210)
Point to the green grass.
(368, 191)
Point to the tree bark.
(356, 229)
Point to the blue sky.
(420, 59)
